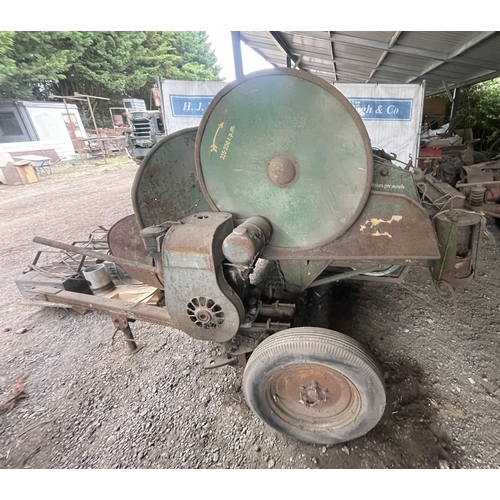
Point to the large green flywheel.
(288, 146)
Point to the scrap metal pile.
(277, 191)
(452, 174)
(455, 180)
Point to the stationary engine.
(277, 191)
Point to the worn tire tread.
(329, 347)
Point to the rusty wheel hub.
(282, 170)
(313, 397)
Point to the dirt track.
(90, 405)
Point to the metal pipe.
(343, 276)
(116, 308)
(53, 96)
(277, 310)
(95, 255)
(77, 94)
(162, 107)
(454, 105)
(417, 143)
(468, 184)
(127, 333)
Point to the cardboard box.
(20, 172)
(4, 159)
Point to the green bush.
(479, 109)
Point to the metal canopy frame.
(445, 60)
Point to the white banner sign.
(392, 115)
(184, 102)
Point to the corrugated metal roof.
(442, 58)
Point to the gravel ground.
(88, 404)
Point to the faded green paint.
(391, 179)
(301, 273)
(455, 230)
(447, 242)
(273, 114)
(192, 262)
(386, 206)
(166, 187)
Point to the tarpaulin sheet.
(391, 113)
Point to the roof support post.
(454, 105)
(332, 52)
(238, 63)
(448, 91)
(297, 63)
(281, 43)
(392, 41)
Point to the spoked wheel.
(315, 385)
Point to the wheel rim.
(313, 397)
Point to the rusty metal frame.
(331, 250)
(116, 308)
(96, 255)
(85, 98)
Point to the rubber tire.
(324, 347)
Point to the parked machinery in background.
(480, 183)
(278, 191)
(459, 206)
(146, 129)
(456, 178)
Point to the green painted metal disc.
(286, 145)
(165, 187)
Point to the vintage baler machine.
(277, 191)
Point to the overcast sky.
(221, 43)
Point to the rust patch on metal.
(125, 241)
(112, 307)
(313, 395)
(412, 235)
(165, 187)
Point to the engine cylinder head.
(247, 240)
